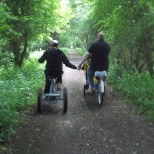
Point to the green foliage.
(4, 27)
(81, 33)
(137, 88)
(128, 25)
(80, 51)
(25, 22)
(18, 91)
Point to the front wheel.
(39, 100)
(65, 99)
(85, 87)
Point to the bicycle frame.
(52, 92)
(52, 97)
(52, 85)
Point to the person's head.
(54, 43)
(100, 35)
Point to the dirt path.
(87, 128)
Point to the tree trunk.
(18, 53)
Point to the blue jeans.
(90, 75)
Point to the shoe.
(58, 86)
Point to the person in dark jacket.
(54, 58)
(99, 53)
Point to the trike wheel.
(84, 89)
(39, 100)
(65, 99)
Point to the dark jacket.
(54, 58)
(100, 55)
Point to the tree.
(128, 25)
(81, 34)
(28, 20)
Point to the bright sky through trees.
(64, 2)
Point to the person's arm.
(42, 58)
(67, 63)
(84, 58)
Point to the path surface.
(87, 128)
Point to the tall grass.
(18, 92)
(138, 88)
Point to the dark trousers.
(52, 74)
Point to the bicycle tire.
(100, 95)
(84, 90)
(65, 102)
(39, 100)
(104, 90)
(100, 98)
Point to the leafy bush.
(18, 92)
(136, 87)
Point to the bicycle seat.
(100, 73)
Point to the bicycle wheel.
(39, 100)
(100, 98)
(84, 89)
(104, 90)
(100, 95)
(65, 99)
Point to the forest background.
(28, 26)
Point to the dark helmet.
(54, 43)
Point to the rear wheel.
(100, 94)
(39, 100)
(100, 98)
(65, 99)
(84, 89)
(104, 90)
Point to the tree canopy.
(128, 26)
(25, 22)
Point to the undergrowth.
(18, 92)
(136, 87)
